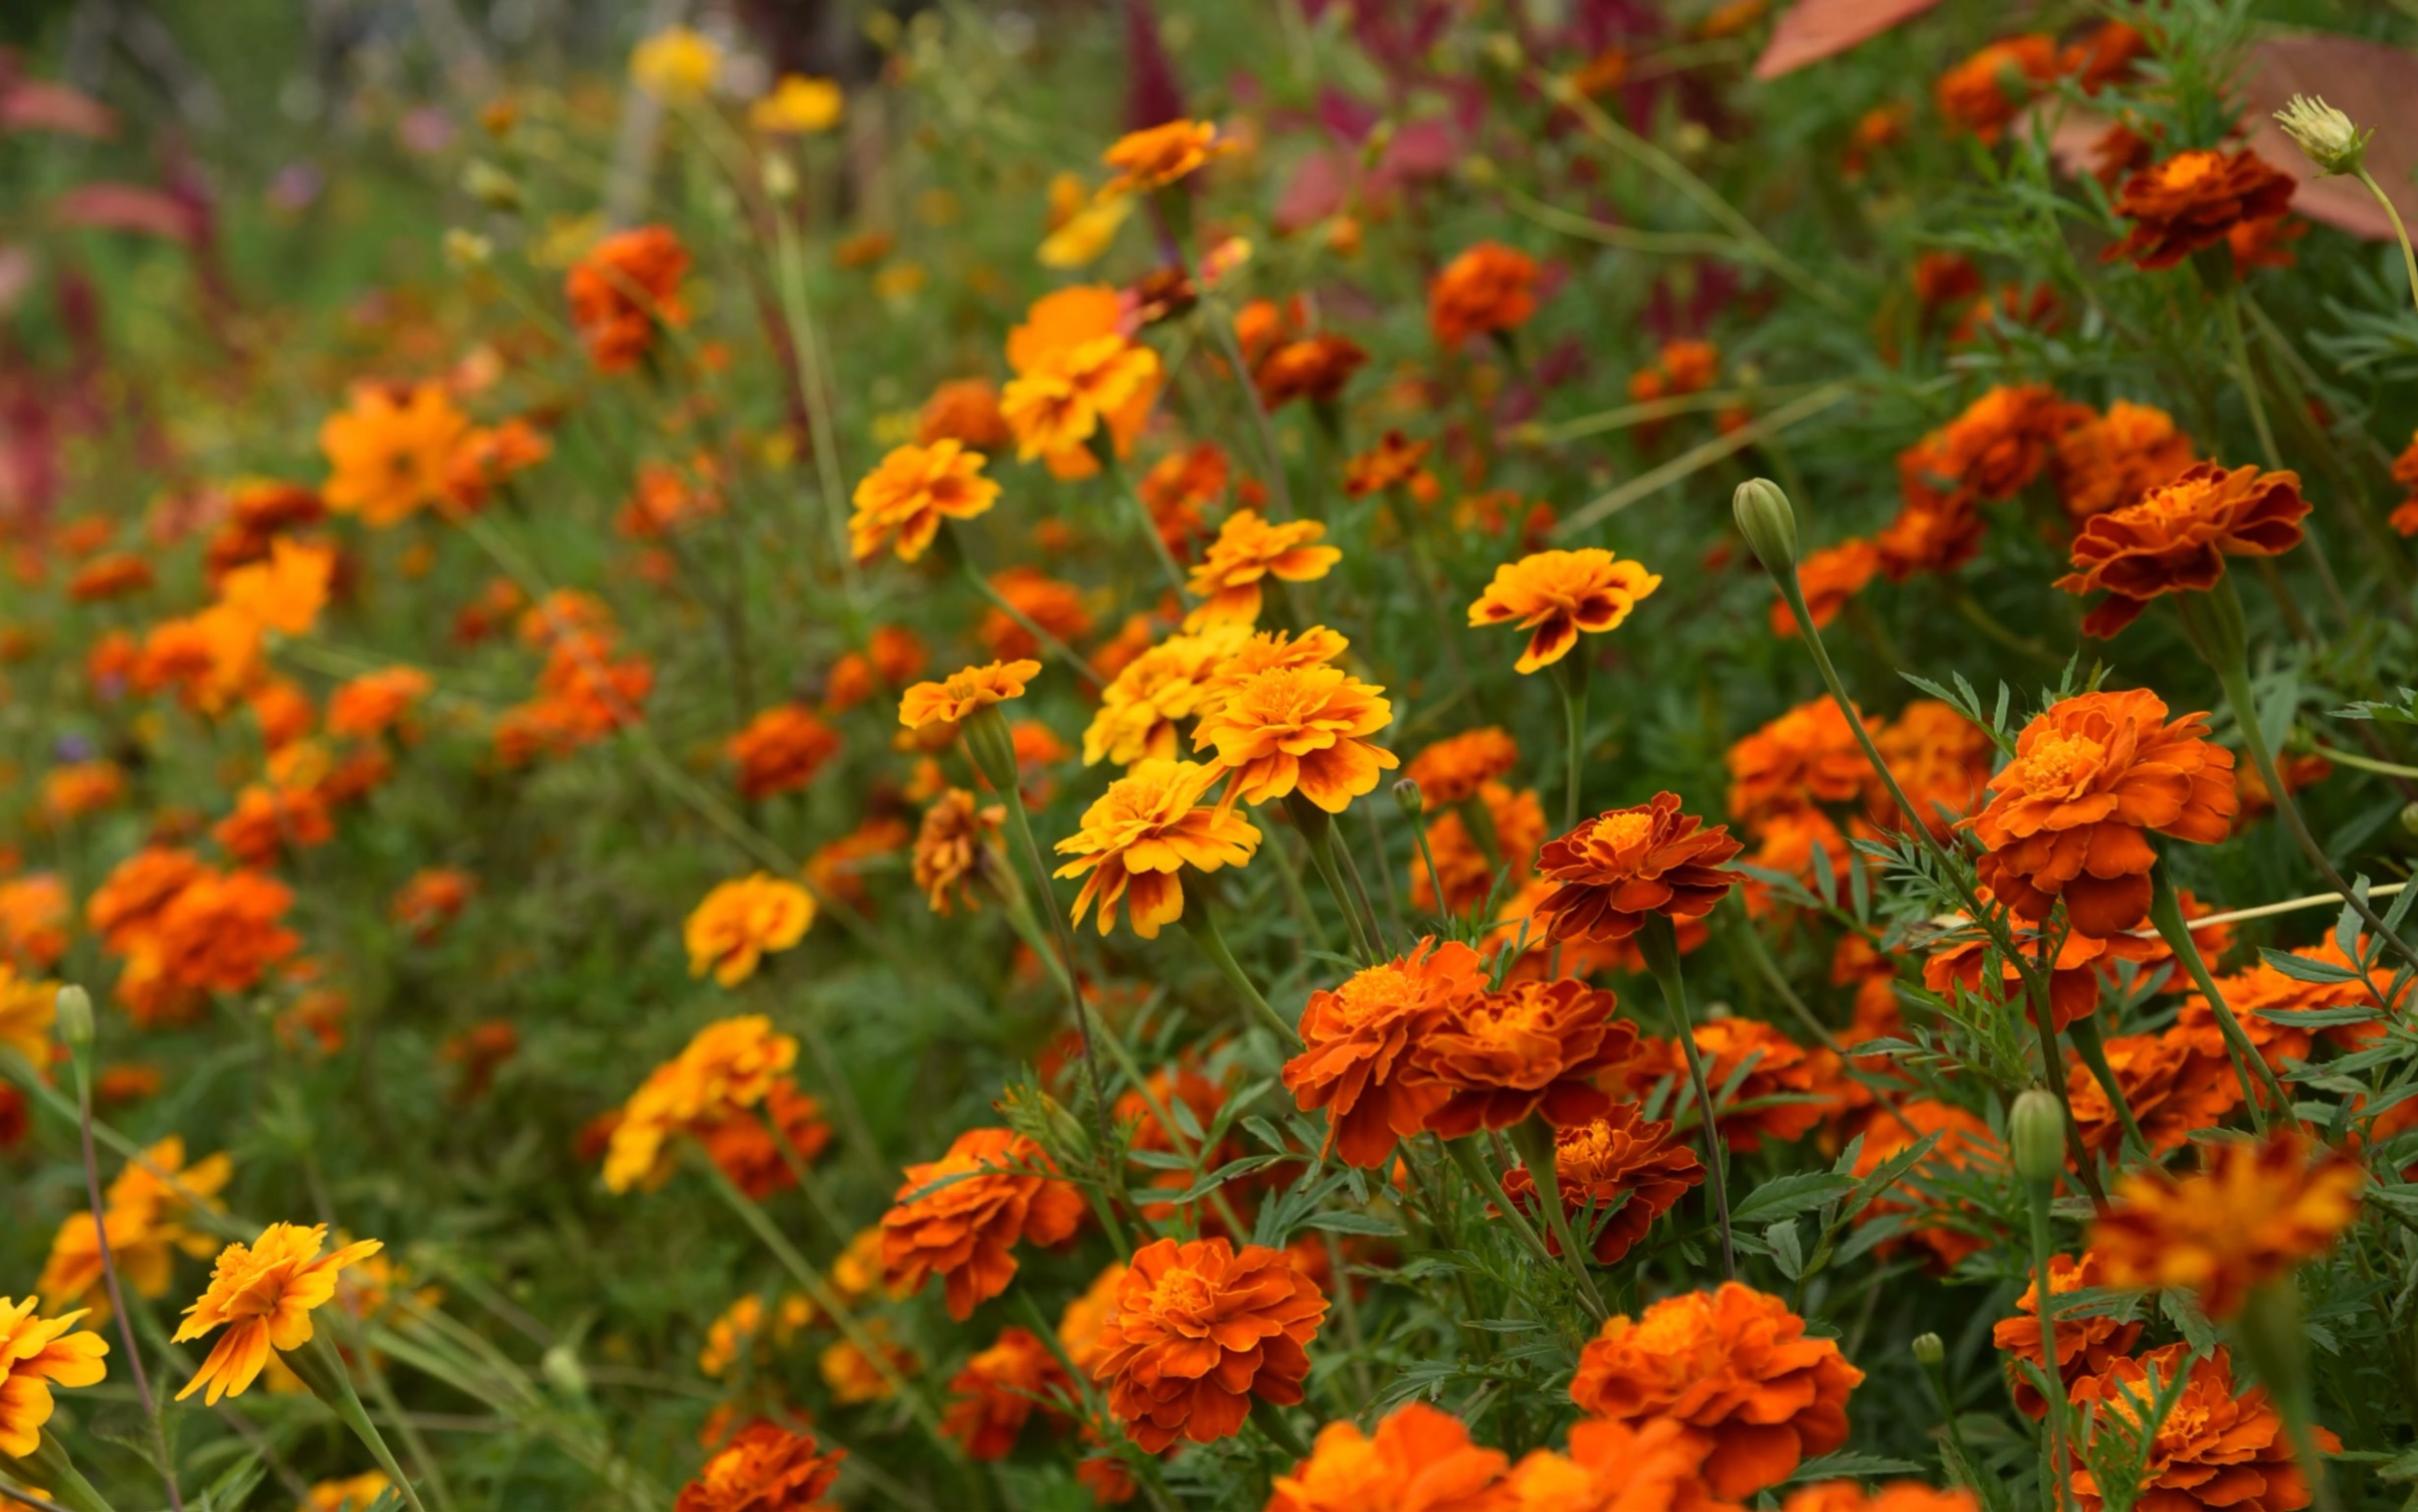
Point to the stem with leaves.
(1659, 943)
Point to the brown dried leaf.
(1814, 29)
(2376, 85)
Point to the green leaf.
(2302, 969)
(1787, 1247)
(1344, 1221)
(1789, 1195)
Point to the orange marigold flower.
(1079, 1326)
(2249, 1216)
(2177, 538)
(1942, 1226)
(491, 456)
(1534, 1047)
(1455, 768)
(1732, 1366)
(1358, 1040)
(2261, 993)
(268, 820)
(1829, 578)
(1273, 651)
(1653, 1466)
(620, 290)
(728, 1066)
(264, 1292)
(1229, 579)
(1809, 754)
(387, 455)
(965, 410)
(1517, 821)
(2114, 461)
(856, 1377)
(126, 906)
(991, 1398)
(1038, 600)
(1151, 695)
(905, 499)
(1984, 93)
(2085, 1344)
(1394, 461)
(119, 575)
(1904, 1497)
(1618, 1171)
(1158, 155)
(747, 1147)
(1137, 837)
(29, 1007)
(430, 899)
(2173, 1088)
(35, 1355)
(2214, 1448)
(1936, 534)
(1943, 760)
(1419, 1459)
(1620, 865)
(1487, 287)
(741, 921)
(992, 1188)
(1955, 965)
(1783, 1089)
(764, 1468)
(220, 931)
(965, 692)
(2068, 817)
(1315, 368)
(2192, 200)
(1198, 1331)
(1299, 728)
(1555, 594)
(2003, 440)
(374, 703)
(953, 847)
(1063, 400)
(781, 750)
(71, 791)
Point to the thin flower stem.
(1141, 513)
(1659, 943)
(1140, 1082)
(2229, 305)
(2409, 257)
(1533, 1138)
(1202, 927)
(1936, 1372)
(1319, 832)
(1573, 688)
(1028, 624)
(1466, 1154)
(1348, 1306)
(2166, 912)
(322, 1369)
(2353, 760)
(108, 1272)
(1760, 954)
(17, 1498)
(2043, 1250)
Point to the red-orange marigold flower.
(618, 291)
(966, 1232)
(781, 750)
(904, 500)
(2173, 1088)
(2250, 1215)
(1732, 1366)
(1809, 754)
(2068, 817)
(1199, 1330)
(993, 1398)
(1555, 594)
(1534, 1047)
(764, 1469)
(1983, 93)
(2086, 1343)
(1356, 1043)
(1619, 866)
(2214, 1448)
(1904, 1497)
(1627, 1170)
(1828, 578)
(1784, 1087)
(2111, 461)
(2003, 439)
(1419, 1459)
(1487, 287)
(1655, 1465)
(2177, 538)
(1455, 766)
(2193, 200)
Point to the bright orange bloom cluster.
(2262, 993)
(621, 289)
(2092, 777)
(1619, 866)
(1419, 1459)
(585, 692)
(1734, 1367)
(2250, 1215)
(903, 501)
(1618, 1171)
(1784, 1088)
(2177, 538)
(1079, 372)
(781, 750)
(1358, 1043)
(992, 1189)
(1144, 705)
(1138, 837)
(263, 1293)
(430, 900)
(184, 929)
(2086, 1344)
(1158, 155)
(374, 703)
(964, 692)
(740, 921)
(764, 1468)
(1298, 728)
(1904, 1497)
(2113, 461)
(1197, 1331)
(2173, 1087)
(1487, 288)
(728, 1067)
(1466, 877)
(1231, 579)
(1828, 579)
(993, 1398)
(1536, 1047)
(2216, 1447)
(389, 454)
(1455, 768)
(1555, 594)
(2194, 200)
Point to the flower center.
(2061, 762)
(1624, 834)
(1184, 1300)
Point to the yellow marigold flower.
(141, 1210)
(1248, 550)
(1079, 239)
(263, 1293)
(851, 1374)
(1158, 155)
(390, 457)
(1143, 702)
(675, 63)
(730, 1065)
(37, 1353)
(1555, 594)
(28, 1009)
(1272, 650)
(1060, 403)
(739, 923)
(799, 106)
(736, 1331)
(1299, 728)
(351, 1493)
(2250, 1214)
(287, 592)
(1140, 835)
(964, 692)
(904, 498)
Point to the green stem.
(1658, 942)
(1466, 1154)
(1319, 832)
(2166, 911)
(2352, 759)
(323, 1370)
(2087, 1043)
(2053, 1377)
(2273, 1337)
(1760, 954)
(1936, 1371)
(1571, 677)
(1202, 927)
(1107, 453)
(2229, 305)
(1533, 1137)
(49, 1466)
(2409, 258)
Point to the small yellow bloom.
(37, 1353)
(799, 106)
(963, 692)
(263, 1293)
(739, 923)
(1085, 235)
(28, 1009)
(675, 63)
(729, 1065)
(1141, 835)
(1231, 576)
(353, 1493)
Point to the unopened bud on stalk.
(1408, 798)
(2327, 136)
(490, 185)
(1768, 522)
(2036, 1130)
(75, 1017)
(2409, 818)
(780, 180)
(1928, 1350)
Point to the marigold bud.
(2036, 1130)
(780, 180)
(1928, 1350)
(2327, 136)
(1767, 521)
(2409, 817)
(1413, 803)
(490, 185)
(75, 1017)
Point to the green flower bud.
(466, 250)
(2036, 1130)
(1928, 1350)
(780, 180)
(1408, 798)
(75, 1017)
(2409, 817)
(1768, 522)
(2324, 134)
(490, 185)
